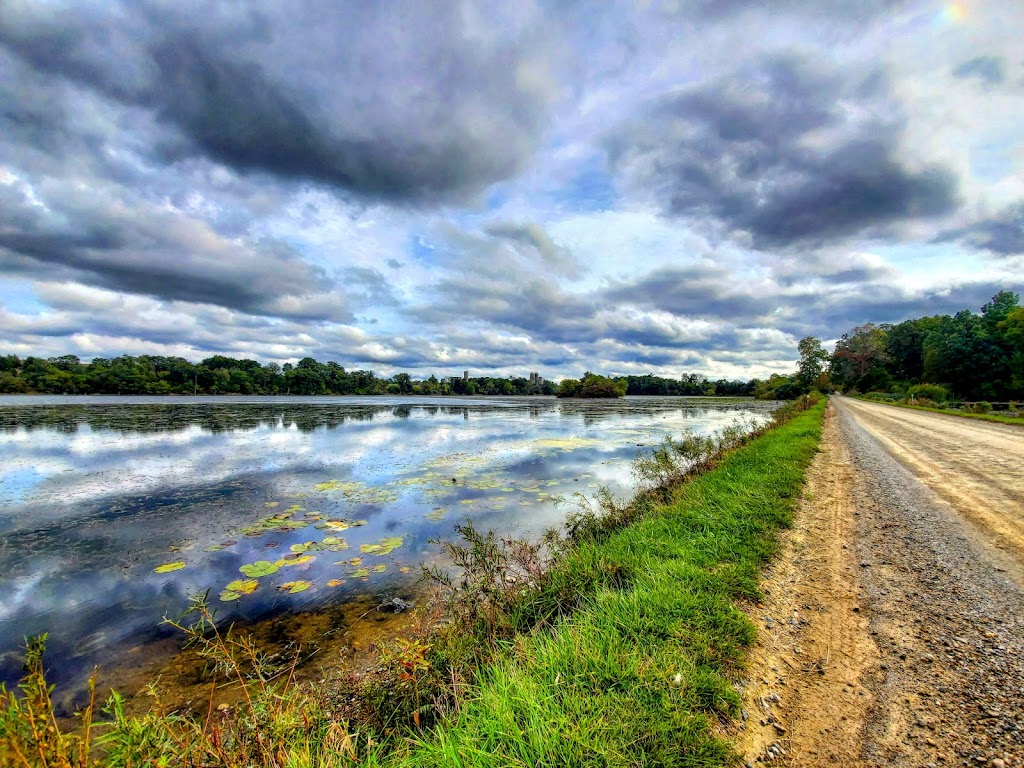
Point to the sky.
(656, 186)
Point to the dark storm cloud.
(697, 291)
(83, 235)
(1002, 235)
(405, 101)
(773, 151)
(986, 68)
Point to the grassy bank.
(615, 644)
(993, 417)
(640, 670)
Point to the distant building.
(465, 375)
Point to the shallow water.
(114, 510)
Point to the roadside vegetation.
(613, 642)
(981, 411)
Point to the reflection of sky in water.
(95, 494)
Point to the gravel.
(947, 615)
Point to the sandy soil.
(893, 629)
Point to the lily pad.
(169, 567)
(379, 568)
(228, 595)
(294, 587)
(404, 569)
(243, 586)
(307, 546)
(359, 573)
(335, 582)
(259, 568)
(300, 560)
(384, 547)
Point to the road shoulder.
(807, 696)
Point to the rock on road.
(893, 633)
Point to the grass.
(614, 644)
(642, 668)
(994, 417)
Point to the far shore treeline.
(219, 375)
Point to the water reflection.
(335, 496)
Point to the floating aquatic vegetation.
(294, 587)
(379, 568)
(308, 546)
(272, 504)
(228, 595)
(384, 547)
(359, 573)
(340, 525)
(437, 513)
(358, 493)
(313, 517)
(353, 561)
(279, 522)
(169, 567)
(335, 582)
(565, 443)
(404, 569)
(467, 501)
(259, 568)
(294, 560)
(243, 586)
(221, 546)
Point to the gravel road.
(893, 631)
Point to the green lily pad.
(379, 568)
(228, 595)
(243, 586)
(359, 573)
(169, 567)
(259, 568)
(294, 587)
(384, 547)
(335, 582)
(307, 546)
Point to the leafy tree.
(859, 359)
(811, 368)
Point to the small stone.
(223, 707)
(997, 762)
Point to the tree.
(859, 359)
(811, 367)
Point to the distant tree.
(811, 368)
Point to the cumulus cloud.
(784, 150)
(403, 101)
(80, 233)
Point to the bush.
(981, 406)
(933, 392)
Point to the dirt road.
(893, 630)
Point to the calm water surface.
(114, 510)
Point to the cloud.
(1002, 235)
(988, 69)
(784, 151)
(81, 233)
(407, 102)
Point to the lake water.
(114, 510)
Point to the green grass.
(995, 417)
(638, 673)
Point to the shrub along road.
(894, 629)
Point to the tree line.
(220, 375)
(973, 356)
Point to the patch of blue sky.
(929, 261)
(591, 189)
(17, 296)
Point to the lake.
(113, 510)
